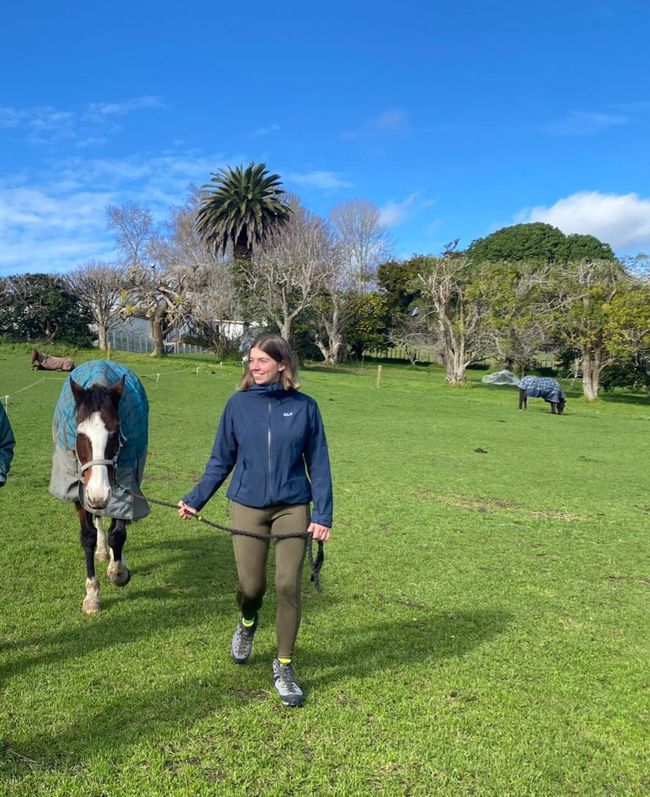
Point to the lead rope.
(315, 564)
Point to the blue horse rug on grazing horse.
(66, 480)
(542, 387)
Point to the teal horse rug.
(66, 479)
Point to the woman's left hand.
(321, 533)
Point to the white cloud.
(585, 123)
(318, 179)
(56, 219)
(393, 213)
(389, 123)
(621, 220)
(123, 108)
(88, 125)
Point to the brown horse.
(100, 434)
(46, 362)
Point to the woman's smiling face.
(264, 369)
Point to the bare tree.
(100, 286)
(134, 229)
(156, 284)
(458, 309)
(285, 278)
(363, 240)
(209, 296)
(413, 335)
(332, 306)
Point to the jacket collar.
(272, 390)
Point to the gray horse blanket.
(65, 480)
(47, 362)
(542, 387)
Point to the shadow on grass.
(195, 583)
(360, 652)
(124, 719)
(364, 650)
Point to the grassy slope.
(482, 631)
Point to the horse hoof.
(90, 606)
(120, 578)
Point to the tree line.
(241, 248)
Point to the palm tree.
(244, 206)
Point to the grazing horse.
(46, 362)
(541, 387)
(100, 432)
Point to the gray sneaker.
(241, 646)
(284, 680)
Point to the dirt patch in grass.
(491, 506)
(248, 694)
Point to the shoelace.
(287, 677)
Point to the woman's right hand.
(186, 512)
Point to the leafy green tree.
(537, 242)
(243, 207)
(532, 242)
(627, 329)
(367, 322)
(41, 307)
(588, 247)
(398, 280)
(584, 294)
(633, 373)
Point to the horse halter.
(111, 462)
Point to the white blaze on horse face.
(98, 489)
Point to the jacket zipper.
(268, 460)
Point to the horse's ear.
(77, 391)
(118, 389)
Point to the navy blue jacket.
(7, 443)
(272, 438)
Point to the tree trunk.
(285, 328)
(102, 336)
(157, 333)
(454, 368)
(241, 249)
(330, 351)
(454, 355)
(592, 365)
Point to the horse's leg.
(523, 399)
(117, 571)
(88, 536)
(101, 549)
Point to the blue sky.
(454, 118)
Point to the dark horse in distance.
(100, 432)
(541, 387)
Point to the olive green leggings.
(251, 555)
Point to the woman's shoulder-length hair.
(279, 350)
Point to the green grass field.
(483, 628)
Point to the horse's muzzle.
(98, 501)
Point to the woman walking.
(272, 436)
